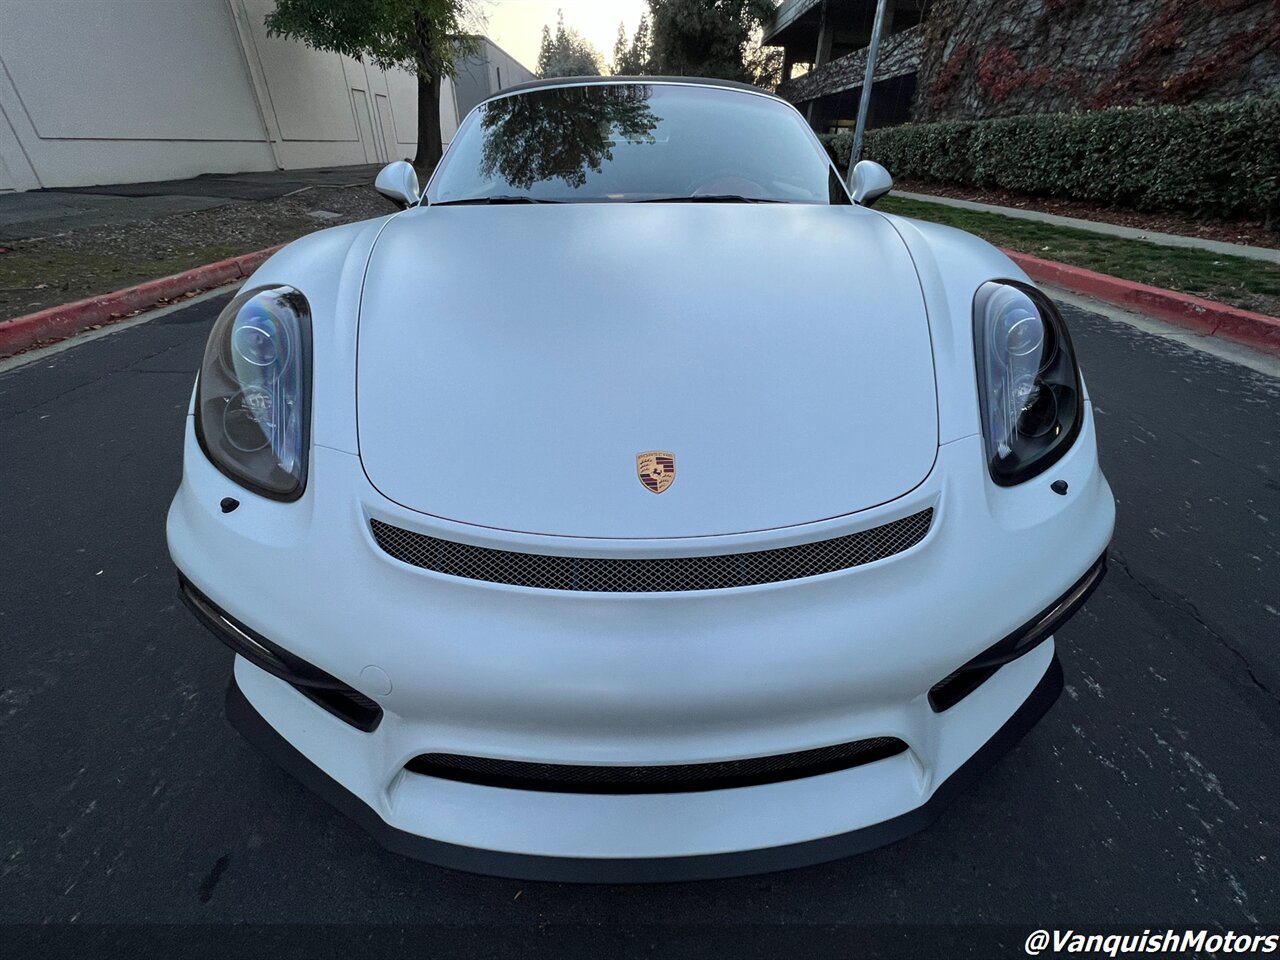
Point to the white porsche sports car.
(637, 503)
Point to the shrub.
(1214, 160)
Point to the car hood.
(515, 360)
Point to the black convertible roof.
(600, 81)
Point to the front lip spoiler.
(254, 728)
(957, 685)
(1033, 633)
(346, 703)
(257, 649)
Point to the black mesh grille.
(669, 778)
(611, 575)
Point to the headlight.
(1028, 381)
(253, 394)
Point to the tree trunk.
(430, 144)
(430, 147)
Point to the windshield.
(635, 142)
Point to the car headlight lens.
(252, 397)
(1028, 381)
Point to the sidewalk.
(1107, 229)
(43, 213)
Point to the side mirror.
(398, 183)
(870, 182)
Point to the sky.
(516, 25)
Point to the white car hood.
(515, 360)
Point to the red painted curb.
(1195, 313)
(57, 323)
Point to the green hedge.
(1219, 159)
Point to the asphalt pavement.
(1148, 795)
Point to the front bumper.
(254, 728)
(560, 677)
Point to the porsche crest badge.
(656, 469)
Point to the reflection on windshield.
(562, 135)
(632, 142)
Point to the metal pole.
(864, 104)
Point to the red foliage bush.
(1000, 73)
(949, 73)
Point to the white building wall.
(117, 91)
(491, 69)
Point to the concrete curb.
(1205, 317)
(57, 323)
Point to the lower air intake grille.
(677, 778)
(611, 575)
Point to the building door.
(16, 172)
(387, 127)
(374, 148)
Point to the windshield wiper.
(492, 200)
(710, 198)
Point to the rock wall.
(989, 58)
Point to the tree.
(763, 64)
(566, 53)
(620, 50)
(424, 37)
(632, 59)
(708, 38)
